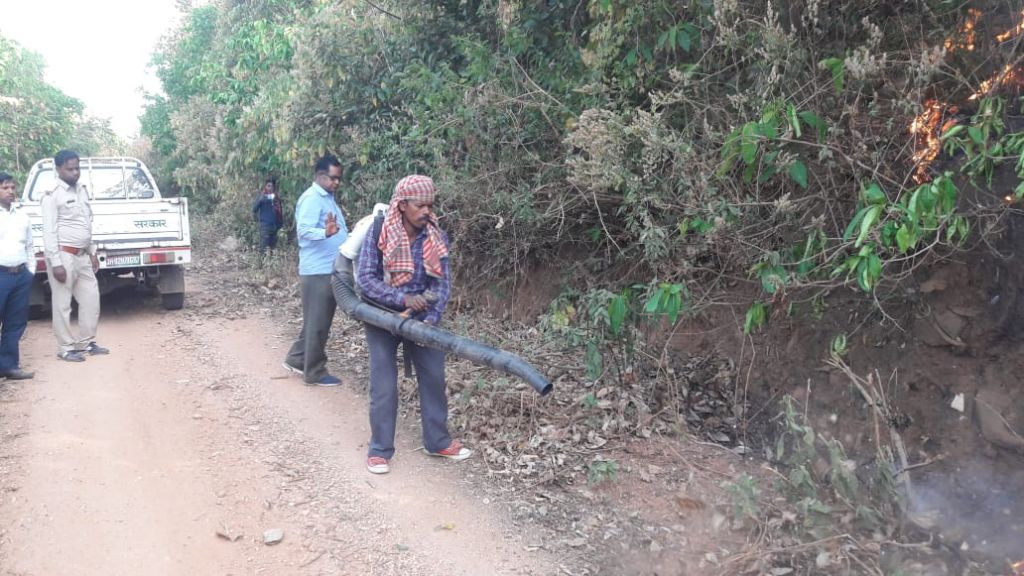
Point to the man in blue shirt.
(321, 229)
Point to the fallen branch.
(938, 458)
(395, 16)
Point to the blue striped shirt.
(370, 277)
(316, 250)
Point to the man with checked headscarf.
(406, 269)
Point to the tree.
(37, 119)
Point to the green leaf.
(767, 172)
(652, 302)
(905, 239)
(683, 39)
(673, 308)
(870, 219)
(813, 121)
(798, 172)
(888, 234)
(963, 228)
(836, 67)
(857, 218)
(952, 132)
(794, 121)
(947, 191)
(701, 226)
(683, 226)
(617, 313)
(593, 360)
(757, 316)
(730, 151)
(975, 133)
(631, 57)
(869, 270)
(773, 279)
(849, 265)
(768, 127)
(873, 194)
(748, 143)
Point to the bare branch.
(392, 14)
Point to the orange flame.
(1018, 568)
(964, 39)
(1009, 75)
(927, 124)
(1012, 32)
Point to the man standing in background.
(71, 262)
(321, 230)
(17, 266)
(269, 215)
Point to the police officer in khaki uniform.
(71, 262)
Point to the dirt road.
(176, 453)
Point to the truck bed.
(129, 225)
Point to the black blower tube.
(343, 284)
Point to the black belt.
(14, 269)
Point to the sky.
(95, 50)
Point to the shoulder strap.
(378, 225)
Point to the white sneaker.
(377, 465)
(455, 451)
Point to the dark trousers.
(429, 365)
(318, 308)
(268, 238)
(14, 291)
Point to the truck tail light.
(175, 256)
(157, 257)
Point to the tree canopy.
(37, 119)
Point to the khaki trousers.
(80, 284)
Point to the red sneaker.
(377, 465)
(454, 451)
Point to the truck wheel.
(173, 301)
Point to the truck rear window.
(104, 183)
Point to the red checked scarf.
(394, 241)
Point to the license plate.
(123, 260)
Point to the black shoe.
(326, 381)
(18, 374)
(95, 349)
(72, 356)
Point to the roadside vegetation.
(657, 160)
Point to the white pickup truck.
(140, 237)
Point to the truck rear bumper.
(133, 258)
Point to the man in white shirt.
(17, 266)
(71, 262)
